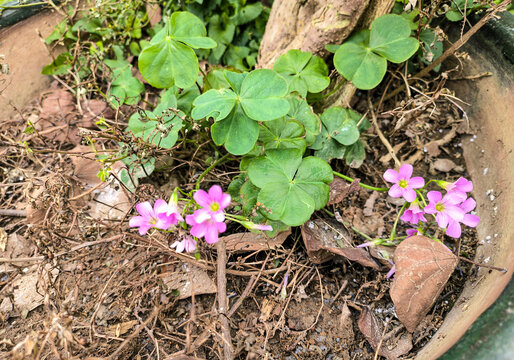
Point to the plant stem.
(206, 171)
(421, 196)
(347, 178)
(393, 231)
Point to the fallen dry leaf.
(444, 165)
(58, 102)
(3, 239)
(373, 330)
(432, 147)
(154, 13)
(248, 241)
(345, 325)
(325, 238)
(340, 189)
(423, 266)
(370, 204)
(188, 279)
(95, 109)
(121, 328)
(370, 225)
(388, 157)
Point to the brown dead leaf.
(325, 238)
(370, 204)
(154, 13)
(423, 266)
(184, 276)
(372, 329)
(444, 165)
(17, 246)
(58, 102)
(121, 328)
(95, 109)
(432, 147)
(388, 157)
(340, 189)
(248, 241)
(3, 239)
(345, 325)
(370, 225)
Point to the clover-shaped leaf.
(291, 187)
(355, 154)
(341, 128)
(363, 58)
(302, 112)
(136, 169)
(161, 126)
(303, 72)
(214, 103)
(125, 88)
(237, 132)
(169, 59)
(282, 134)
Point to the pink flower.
(404, 185)
(454, 229)
(212, 204)
(461, 186)
(171, 212)
(413, 214)
(412, 232)
(150, 217)
(207, 228)
(251, 226)
(391, 272)
(446, 208)
(188, 244)
(208, 221)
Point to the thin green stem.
(349, 179)
(206, 171)
(393, 231)
(333, 91)
(421, 196)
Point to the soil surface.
(84, 285)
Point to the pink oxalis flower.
(171, 212)
(404, 184)
(149, 217)
(446, 209)
(188, 244)
(454, 229)
(413, 214)
(208, 221)
(461, 186)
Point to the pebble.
(486, 170)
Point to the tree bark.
(308, 25)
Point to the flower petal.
(202, 215)
(455, 212)
(199, 230)
(454, 230)
(434, 196)
(430, 208)
(144, 229)
(391, 176)
(395, 191)
(405, 171)
(145, 210)
(190, 220)
(218, 216)
(216, 193)
(160, 207)
(470, 220)
(222, 227)
(468, 205)
(202, 198)
(442, 220)
(211, 233)
(417, 182)
(464, 185)
(407, 216)
(138, 221)
(164, 222)
(455, 197)
(225, 201)
(409, 194)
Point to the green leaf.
(136, 169)
(235, 55)
(169, 60)
(355, 154)
(340, 126)
(125, 88)
(214, 103)
(234, 79)
(249, 193)
(215, 80)
(248, 13)
(303, 72)
(432, 48)
(262, 95)
(237, 132)
(160, 126)
(289, 184)
(282, 134)
(120, 61)
(360, 65)
(390, 37)
(302, 112)
(59, 66)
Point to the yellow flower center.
(215, 206)
(403, 183)
(439, 207)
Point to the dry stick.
(456, 46)
(222, 299)
(503, 270)
(13, 212)
(134, 334)
(381, 135)
(381, 339)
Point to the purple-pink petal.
(395, 191)
(454, 198)
(202, 215)
(455, 212)
(417, 182)
(434, 197)
(160, 206)
(468, 205)
(216, 193)
(442, 219)
(199, 230)
(391, 176)
(411, 232)
(463, 184)
(470, 220)
(430, 208)
(454, 230)
(405, 171)
(202, 198)
(225, 201)
(138, 221)
(145, 209)
(409, 194)
(218, 216)
(211, 233)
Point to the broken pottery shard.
(423, 266)
(325, 238)
(189, 279)
(248, 241)
(373, 330)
